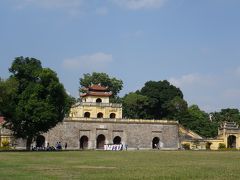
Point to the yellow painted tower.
(95, 104)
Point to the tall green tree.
(8, 89)
(114, 85)
(229, 114)
(135, 106)
(176, 108)
(156, 100)
(32, 99)
(199, 122)
(160, 95)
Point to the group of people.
(58, 146)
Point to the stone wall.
(137, 134)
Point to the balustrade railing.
(114, 105)
(122, 120)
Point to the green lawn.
(120, 165)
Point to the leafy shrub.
(7, 148)
(186, 146)
(5, 143)
(221, 146)
(230, 149)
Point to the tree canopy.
(232, 115)
(114, 85)
(32, 99)
(135, 106)
(160, 94)
(198, 121)
(162, 100)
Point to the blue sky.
(193, 44)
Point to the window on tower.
(87, 114)
(99, 100)
(100, 115)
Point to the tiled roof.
(102, 94)
(230, 125)
(97, 87)
(96, 90)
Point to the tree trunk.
(28, 144)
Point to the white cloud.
(210, 92)
(92, 62)
(139, 4)
(199, 89)
(53, 3)
(72, 7)
(185, 79)
(192, 80)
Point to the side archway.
(100, 141)
(84, 142)
(155, 143)
(231, 142)
(117, 140)
(40, 141)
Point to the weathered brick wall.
(134, 134)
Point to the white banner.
(113, 147)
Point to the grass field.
(120, 165)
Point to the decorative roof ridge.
(91, 93)
(98, 87)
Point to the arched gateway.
(231, 141)
(100, 141)
(155, 143)
(84, 142)
(40, 141)
(117, 140)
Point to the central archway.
(155, 143)
(117, 140)
(40, 141)
(100, 141)
(84, 142)
(231, 141)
